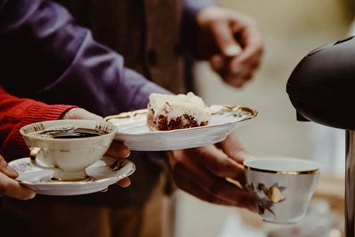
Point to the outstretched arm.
(46, 56)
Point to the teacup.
(282, 187)
(60, 146)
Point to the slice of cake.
(168, 112)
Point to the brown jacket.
(147, 34)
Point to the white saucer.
(102, 174)
(134, 133)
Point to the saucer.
(102, 173)
(133, 131)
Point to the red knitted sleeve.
(16, 113)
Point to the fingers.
(234, 73)
(194, 171)
(218, 163)
(232, 147)
(217, 62)
(78, 113)
(195, 190)
(240, 68)
(124, 183)
(205, 186)
(6, 169)
(225, 40)
(118, 150)
(11, 188)
(245, 65)
(248, 34)
(104, 190)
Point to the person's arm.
(16, 113)
(191, 7)
(189, 28)
(46, 56)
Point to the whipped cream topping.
(175, 106)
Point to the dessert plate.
(102, 173)
(134, 133)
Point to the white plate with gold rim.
(102, 174)
(134, 133)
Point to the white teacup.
(282, 187)
(68, 157)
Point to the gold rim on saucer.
(283, 172)
(244, 112)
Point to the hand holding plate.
(202, 172)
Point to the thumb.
(233, 148)
(225, 40)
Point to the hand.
(202, 172)
(231, 41)
(117, 149)
(9, 186)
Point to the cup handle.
(33, 154)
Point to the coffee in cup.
(68, 146)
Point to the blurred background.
(291, 29)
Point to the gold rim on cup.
(283, 172)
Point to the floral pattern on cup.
(266, 198)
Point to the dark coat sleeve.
(189, 27)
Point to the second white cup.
(282, 187)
